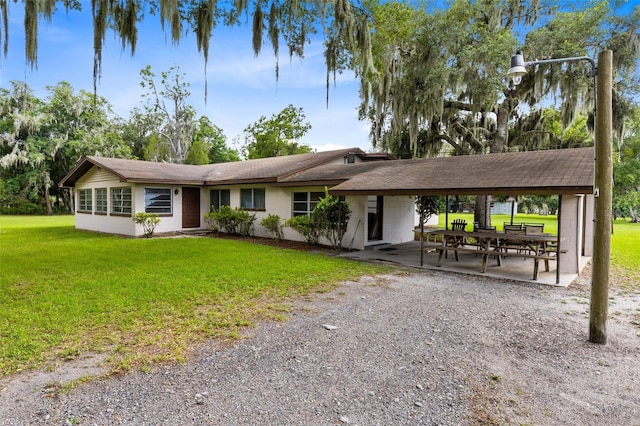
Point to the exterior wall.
(98, 178)
(278, 201)
(118, 224)
(398, 220)
(399, 211)
(356, 235)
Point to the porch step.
(196, 232)
(382, 246)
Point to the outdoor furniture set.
(522, 240)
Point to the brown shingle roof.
(271, 169)
(326, 174)
(261, 170)
(534, 172)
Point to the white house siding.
(168, 223)
(278, 201)
(398, 220)
(123, 225)
(99, 178)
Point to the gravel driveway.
(412, 348)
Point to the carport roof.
(567, 171)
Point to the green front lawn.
(65, 291)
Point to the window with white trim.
(84, 201)
(101, 200)
(219, 198)
(303, 203)
(158, 200)
(252, 198)
(121, 200)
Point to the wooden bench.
(486, 253)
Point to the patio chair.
(533, 229)
(512, 227)
(514, 230)
(457, 225)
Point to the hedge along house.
(380, 193)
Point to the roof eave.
(310, 183)
(468, 191)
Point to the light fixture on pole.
(517, 69)
(603, 185)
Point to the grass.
(625, 254)
(625, 243)
(66, 292)
(498, 220)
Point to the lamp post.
(603, 185)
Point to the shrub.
(233, 221)
(273, 224)
(331, 216)
(211, 219)
(305, 226)
(15, 205)
(149, 221)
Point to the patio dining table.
(498, 244)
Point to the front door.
(190, 207)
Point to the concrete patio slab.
(513, 268)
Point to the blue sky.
(241, 87)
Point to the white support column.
(570, 239)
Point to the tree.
(42, 140)
(426, 207)
(443, 83)
(276, 136)
(168, 113)
(214, 140)
(626, 172)
(197, 154)
(290, 20)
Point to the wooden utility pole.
(603, 199)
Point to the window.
(157, 200)
(101, 200)
(84, 201)
(121, 200)
(305, 202)
(252, 198)
(220, 197)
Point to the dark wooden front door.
(190, 207)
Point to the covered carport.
(567, 173)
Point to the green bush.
(18, 206)
(273, 224)
(149, 221)
(331, 216)
(305, 226)
(233, 221)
